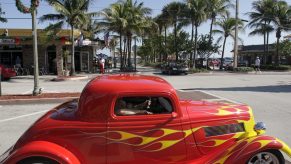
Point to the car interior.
(143, 105)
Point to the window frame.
(136, 117)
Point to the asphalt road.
(16, 119)
(269, 94)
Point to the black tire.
(276, 156)
(37, 160)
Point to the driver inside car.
(123, 108)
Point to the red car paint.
(86, 131)
(7, 73)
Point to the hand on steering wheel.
(147, 112)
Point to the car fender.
(244, 149)
(43, 149)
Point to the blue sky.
(11, 11)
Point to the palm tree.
(260, 18)
(112, 45)
(217, 8)
(126, 18)
(72, 12)
(2, 13)
(163, 23)
(138, 21)
(226, 28)
(197, 15)
(281, 18)
(90, 28)
(115, 21)
(262, 29)
(173, 12)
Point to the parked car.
(174, 68)
(243, 63)
(7, 73)
(140, 119)
(227, 63)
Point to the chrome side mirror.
(260, 126)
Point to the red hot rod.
(140, 119)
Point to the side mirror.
(174, 114)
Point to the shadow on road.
(272, 89)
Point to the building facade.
(16, 50)
(247, 55)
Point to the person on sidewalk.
(257, 65)
(102, 65)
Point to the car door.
(145, 138)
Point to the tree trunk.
(210, 39)
(175, 40)
(73, 73)
(135, 49)
(59, 57)
(120, 50)
(222, 56)
(35, 55)
(114, 58)
(166, 53)
(210, 32)
(265, 43)
(124, 52)
(160, 45)
(195, 46)
(129, 51)
(277, 52)
(278, 36)
(268, 35)
(192, 38)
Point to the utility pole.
(236, 35)
(35, 54)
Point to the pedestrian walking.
(102, 65)
(257, 65)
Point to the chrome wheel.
(264, 158)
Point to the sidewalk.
(23, 85)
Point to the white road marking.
(220, 97)
(223, 98)
(18, 117)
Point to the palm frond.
(51, 17)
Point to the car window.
(143, 105)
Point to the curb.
(36, 101)
(69, 79)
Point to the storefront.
(16, 50)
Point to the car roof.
(128, 83)
(98, 92)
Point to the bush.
(197, 70)
(274, 67)
(243, 69)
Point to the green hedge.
(243, 69)
(274, 67)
